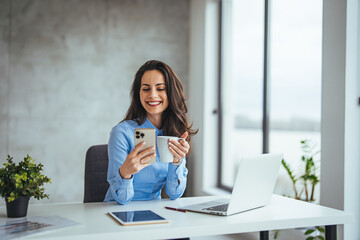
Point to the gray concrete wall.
(66, 68)
(4, 75)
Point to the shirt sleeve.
(121, 189)
(176, 180)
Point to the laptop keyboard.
(218, 208)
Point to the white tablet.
(137, 217)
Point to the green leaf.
(310, 238)
(310, 231)
(289, 170)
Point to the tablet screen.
(137, 217)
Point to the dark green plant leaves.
(24, 179)
(310, 231)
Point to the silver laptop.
(253, 187)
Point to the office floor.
(284, 234)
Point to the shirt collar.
(148, 124)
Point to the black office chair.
(96, 165)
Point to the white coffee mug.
(163, 147)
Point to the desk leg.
(264, 235)
(330, 232)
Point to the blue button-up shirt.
(148, 182)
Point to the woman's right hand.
(136, 160)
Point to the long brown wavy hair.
(174, 119)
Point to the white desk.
(282, 213)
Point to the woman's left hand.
(180, 148)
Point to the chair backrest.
(96, 166)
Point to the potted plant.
(310, 177)
(308, 181)
(19, 182)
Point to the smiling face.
(153, 95)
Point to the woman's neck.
(155, 120)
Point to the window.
(242, 84)
(290, 62)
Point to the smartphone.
(149, 136)
(137, 217)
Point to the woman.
(157, 102)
